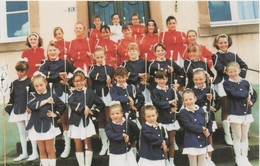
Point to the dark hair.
(170, 18)
(121, 71)
(191, 30)
(222, 36)
(161, 74)
(193, 47)
(78, 73)
(96, 16)
(146, 108)
(126, 26)
(135, 15)
(55, 29)
(115, 15)
(188, 91)
(106, 27)
(36, 35)
(146, 26)
(159, 45)
(21, 66)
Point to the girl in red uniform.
(123, 44)
(95, 33)
(174, 41)
(149, 40)
(81, 47)
(205, 53)
(34, 55)
(108, 45)
(137, 28)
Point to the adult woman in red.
(149, 40)
(34, 55)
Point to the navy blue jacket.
(119, 93)
(189, 67)
(220, 61)
(98, 75)
(193, 131)
(160, 99)
(39, 118)
(237, 94)
(135, 68)
(77, 105)
(52, 69)
(18, 96)
(151, 142)
(202, 100)
(154, 66)
(115, 135)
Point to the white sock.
(34, 147)
(171, 160)
(21, 128)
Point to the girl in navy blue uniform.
(46, 109)
(16, 108)
(130, 97)
(55, 72)
(167, 101)
(154, 139)
(120, 152)
(81, 126)
(205, 97)
(101, 76)
(193, 63)
(220, 60)
(240, 97)
(168, 65)
(136, 70)
(196, 142)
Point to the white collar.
(84, 88)
(124, 86)
(43, 92)
(22, 79)
(151, 125)
(103, 64)
(123, 120)
(159, 59)
(222, 52)
(160, 88)
(204, 86)
(239, 80)
(196, 108)
(55, 59)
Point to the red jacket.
(95, 34)
(146, 46)
(138, 30)
(34, 56)
(63, 44)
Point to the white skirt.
(126, 159)
(214, 126)
(33, 135)
(172, 126)
(106, 99)
(220, 89)
(18, 117)
(240, 119)
(147, 96)
(179, 60)
(63, 97)
(146, 162)
(82, 132)
(197, 151)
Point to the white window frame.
(235, 18)
(3, 26)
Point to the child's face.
(59, 35)
(115, 19)
(40, 85)
(133, 54)
(199, 79)
(33, 40)
(151, 27)
(222, 44)
(121, 79)
(21, 74)
(151, 116)
(194, 55)
(189, 100)
(135, 20)
(105, 34)
(127, 33)
(161, 81)
(53, 53)
(160, 52)
(116, 114)
(79, 30)
(99, 56)
(233, 72)
(97, 22)
(79, 82)
(171, 25)
(192, 37)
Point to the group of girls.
(133, 88)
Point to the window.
(233, 12)
(14, 20)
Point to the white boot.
(209, 161)
(104, 141)
(134, 151)
(171, 162)
(44, 162)
(176, 147)
(66, 151)
(88, 157)
(244, 149)
(226, 127)
(238, 156)
(34, 154)
(52, 162)
(80, 158)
